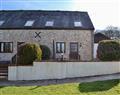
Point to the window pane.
(49, 23)
(73, 47)
(1, 22)
(77, 24)
(58, 47)
(62, 47)
(29, 23)
(7, 47)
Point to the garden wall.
(60, 70)
(95, 50)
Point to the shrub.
(28, 53)
(45, 52)
(109, 50)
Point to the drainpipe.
(53, 49)
(16, 55)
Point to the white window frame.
(3, 46)
(29, 23)
(60, 47)
(1, 22)
(77, 23)
(49, 23)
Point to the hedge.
(29, 53)
(109, 50)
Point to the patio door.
(73, 50)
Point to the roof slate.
(62, 19)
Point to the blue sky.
(102, 12)
(36, 4)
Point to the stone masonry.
(83, 37)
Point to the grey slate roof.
(62, 19)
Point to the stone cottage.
(68, 34)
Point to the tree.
(29, 53)
(112, 32)
(109, 50)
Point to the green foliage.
(29, 53)
(45, 52)
(109, 50)
(109, 87)
(98, 85)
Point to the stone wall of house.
(83, 37)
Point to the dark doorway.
(74, 50)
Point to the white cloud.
(102, 12)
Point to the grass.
(110, 87)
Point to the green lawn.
(111, 87)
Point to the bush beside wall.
(29, 53)
(109, 50)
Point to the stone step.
(4, 65)
(3, 77)
(3, 74)
(3, 70)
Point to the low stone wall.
(60, 70)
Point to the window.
(73, 47)
(6, 47)
(77, 24)
(29, 23)
(49, 23)
(60, 47)
(1, 22)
